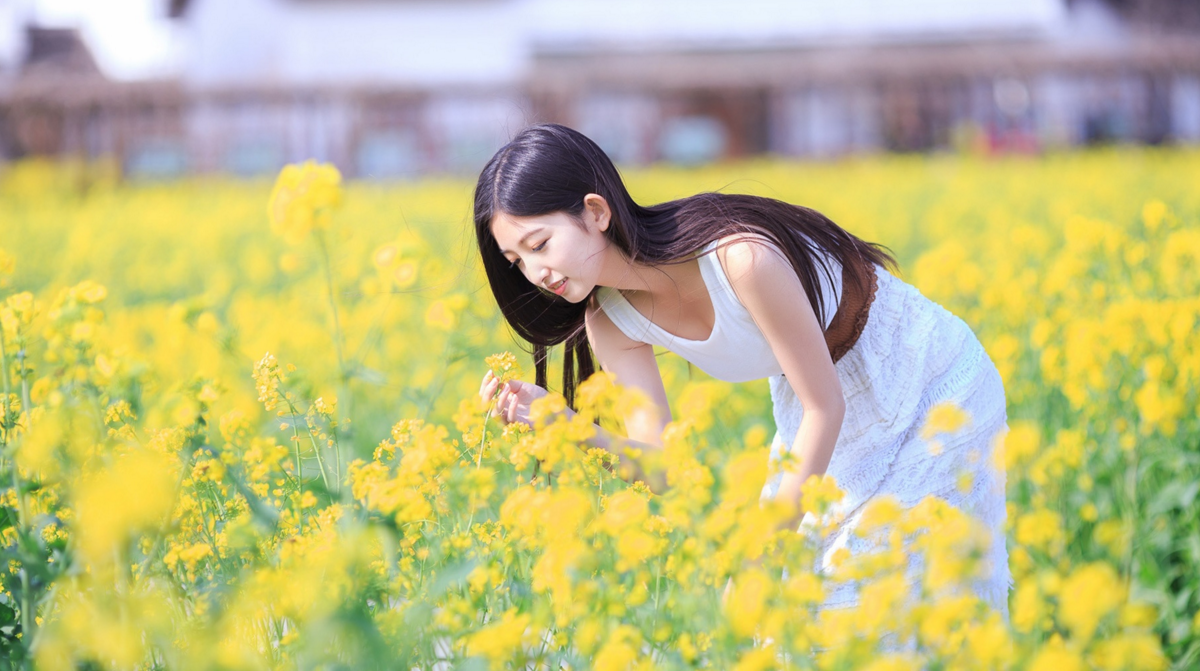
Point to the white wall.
(448, 42)
(1185, 108)
(671, 23)
(13, 16)
(417, 42)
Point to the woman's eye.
(515, 263)
(540, 246)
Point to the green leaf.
(1176, 494)
(472, 664)
(369, 375)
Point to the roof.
(58, 51)
(177, 8)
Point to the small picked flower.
(504, 366)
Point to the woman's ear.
(598, 211)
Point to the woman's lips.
(559, 286)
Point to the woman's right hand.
(512, 405)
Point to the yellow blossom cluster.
(303, 198)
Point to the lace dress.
(907, 354)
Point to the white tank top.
(736, 350)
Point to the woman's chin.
(567, 292)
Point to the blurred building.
(391, 88)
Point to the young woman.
(744, 288)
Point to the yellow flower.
(1135, 615)
(819, 492)
(1057, 659)
(1020, 443)
(208, 470)
(747, 602)
(267, 379)
(504, 366)
(7, 265)
(385, 256)
(193, 554)
(989, 642)
(440, 316)
(308, 500)
(944, 417)
(1113, 535)
(634, 548)
(619, 652)
(623, 511)
(17, 313)
(756, 659)
(894, 662)
(1039, 529)
(1129, 652)
(500, 640)
(1088, 512)
(136, 492)
(1160, 407)
(1088, 596)
(302, 198)
(1153, 214)
(804, 588)
(88, 292)
(879, 512)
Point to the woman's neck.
(664, 282)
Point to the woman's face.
(556, 252)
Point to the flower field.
(239, 430)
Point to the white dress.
(911, 355)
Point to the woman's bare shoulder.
(747, 253)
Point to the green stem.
(343, 387)
(479, 459)
(311, 440)
(482, 438)
(1132, 480)
(4, 367)
(657, 582)
(25, 403)
(337, 328)
(299, 462)
(28, 623)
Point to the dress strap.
(624, 316)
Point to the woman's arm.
(769, 288)
(633, 364)
(513, 405)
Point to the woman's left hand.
(514, 400)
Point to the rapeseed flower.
(302, 199)
(501, 640)
(1090, 594)
(136, 493)
(945, 417)
(504, 366)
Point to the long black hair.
(549, 168)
